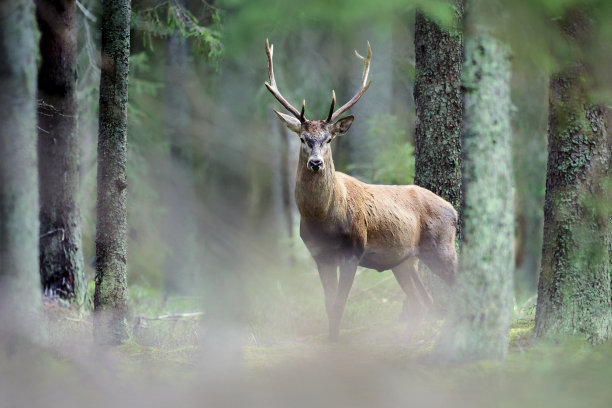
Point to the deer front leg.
(348, 268)
(328, 272)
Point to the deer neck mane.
(315, 192)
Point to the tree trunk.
(480, 318)
(574, 285)
(110, 298)
(287, 183)
(61, 256)
(439, 109)
(20, 299)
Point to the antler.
(364, 86)
(274, 90)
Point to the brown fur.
(346, 223)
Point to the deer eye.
(328, 141)
(303, 140)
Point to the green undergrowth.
(134, 351)
(521, 333)
(162, 321)
(145, 363)
(284, 321)
(287, 305)
(567, 374)
(285, 337)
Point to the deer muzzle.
(315, 164)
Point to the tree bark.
(61, 256)
(20, 299)
(482, 305)
(110, 298)
(439, 108)
(574, 285)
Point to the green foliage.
(557, 7)
(538, 39)
(345, 16)
(169, 17)
(140, 86)
(521, 333)
(394, 155)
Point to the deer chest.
(329, 241)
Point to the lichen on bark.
(574, 286)
(477, 327)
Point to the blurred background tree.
(20, 300)
(61, 254)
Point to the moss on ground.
(376, 358)
(521, 333)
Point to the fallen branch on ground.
(173, 317)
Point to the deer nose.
(315, 164)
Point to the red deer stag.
(347, 223)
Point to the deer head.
(316, 135)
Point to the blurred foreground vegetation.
(289, 362)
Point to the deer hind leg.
(442, 262)
(440, 255)
(418, 300)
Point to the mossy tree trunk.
(439, 108)
(574, 285)
(110, 298)
(20, 298)
(480, 319)
(61, 256)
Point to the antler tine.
(365, 84)
(366, 64)
(272, 85)
(331, 109)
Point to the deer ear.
(342, 126)
(289, 121)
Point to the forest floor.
(281, 357)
